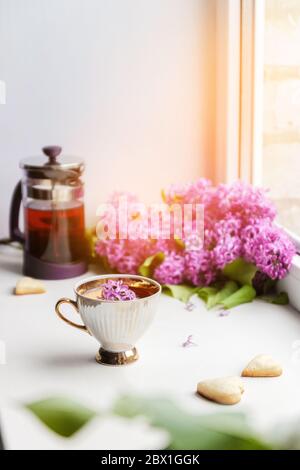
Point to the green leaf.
(240, 271)
(222, 431)
(62, 415)
(279, 299)
(146, 269)
(227, 290)
(269, 286)
(207, 294)
(180, 292)
(244, 295)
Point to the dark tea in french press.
(54, 231)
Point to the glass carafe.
(54, 233)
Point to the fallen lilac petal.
(224, 313)
(189, 306)
(189, 342)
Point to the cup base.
(116, 358)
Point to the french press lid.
(53, 176)
(42, 167)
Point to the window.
(258, 99)
(281, 109)
(258, 107)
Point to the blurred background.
(125, 84)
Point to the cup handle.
(65, 300)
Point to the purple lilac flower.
(210, 239)
(260, 283)
(227, 250)
(124, 255)
(116, 290)
(188, 193)
(270, 249)
(241, 201)
(199, 268)
(171, 270)
(229, 227)
(198, 191)
(248, 237)
(237, 223)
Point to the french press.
(54, 234)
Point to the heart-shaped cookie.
(262, 365)
(227, 390)
(27, 285)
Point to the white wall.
(126, 84)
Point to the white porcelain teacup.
(116, 324)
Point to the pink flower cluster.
(238, 222)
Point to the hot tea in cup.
(121, 288)
(116, 309)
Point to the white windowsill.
(46, 357)
(291, 283)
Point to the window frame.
(240, 63)
(239, 105)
